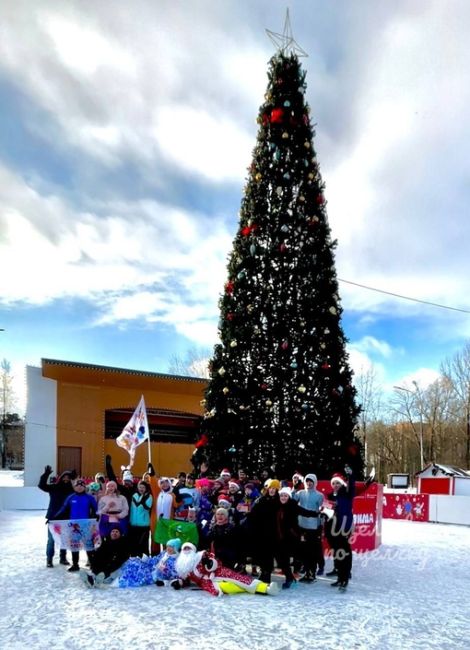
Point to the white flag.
(135, 432)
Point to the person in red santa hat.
(209, 574)
(341, 525)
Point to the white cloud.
(160, 266)
(422, 376)
(198, 143)
(371, 345)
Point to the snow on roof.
(435, 469)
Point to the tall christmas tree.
(280, 393)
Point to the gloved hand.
(48, 470)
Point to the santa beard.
(187, 562)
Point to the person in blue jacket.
(57, 492)
(342, 525)
(310, 501)
(79, 505)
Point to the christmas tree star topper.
(285, 42)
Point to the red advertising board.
(414, 507)
(367, 513)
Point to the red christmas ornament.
(264, 386)
(284, 345)
(229, 287)
(282, 247)
(265, 119)
(276, 115)
(249, 229)
(326, 366)
(320, 199)
(352, 449)
(230, 316)
(202, 442)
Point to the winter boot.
(73, 568)
(49, 564)
(273, 589)
(307, 578)
(160, 583)
(63, 559)
(87, 578)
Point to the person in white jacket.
(113, 510)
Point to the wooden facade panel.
(83, 396)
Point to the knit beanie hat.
(273, 483)
(175, 544)
(285, 490)
(127, 475)
(311, 477)
(340, 478)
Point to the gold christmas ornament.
(258, 177)
(301, 388)
(221, 371)
(268, 402)
(233, 344)
(203, 402)
(307, 144)
(333, 311)
(225, 390)
(285, 135)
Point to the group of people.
(223, 535)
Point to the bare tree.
(457, 372)
(370, 398)
(195, 363)
(7, 400)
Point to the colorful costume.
(211, 576)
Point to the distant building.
(75, 411)
(443, 479)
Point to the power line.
(398, 295)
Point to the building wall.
(40, 427)
(80, 423)
(462, 486)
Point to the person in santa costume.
(209, 574)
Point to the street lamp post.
(417, 394)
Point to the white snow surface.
(410, 593)
(11, 478)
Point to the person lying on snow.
(202, 569)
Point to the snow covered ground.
(11, 478)
(412, 593)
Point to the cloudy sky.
(126, 131)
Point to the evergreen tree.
(280, 393)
